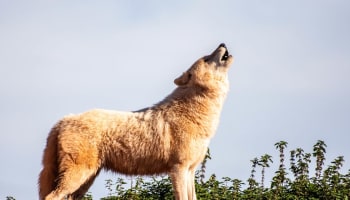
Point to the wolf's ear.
(183, 79)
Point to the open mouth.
(220, 54)
(225, 56)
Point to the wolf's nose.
(222, 45)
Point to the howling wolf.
(170, 137)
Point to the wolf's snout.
(222, 45)
(220, 54)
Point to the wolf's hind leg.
(71, 180)
(79, 194)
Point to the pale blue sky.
(290, 80)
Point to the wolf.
(170, 137)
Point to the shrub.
(326, 183)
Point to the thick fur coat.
(170, 137)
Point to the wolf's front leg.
(191, 189)
(179, 177)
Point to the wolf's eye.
(189, 76)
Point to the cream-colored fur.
(170, 137)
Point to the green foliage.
(156, 188)
(296, 184)
(87, 196)
(327, 182)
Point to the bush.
(294, 183)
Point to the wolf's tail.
(49, 174)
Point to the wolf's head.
(209, 72)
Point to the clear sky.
(290, 80)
